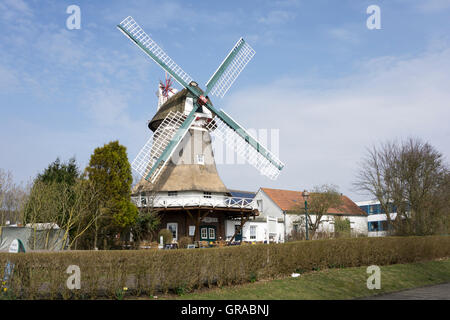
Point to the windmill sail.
(230, 68)
(154, 155)
(136, 34)
(245, 145)
(150, 164)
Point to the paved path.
(437, 292)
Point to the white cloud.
(13, 9)
(107, 107)
(277, 17)
(8, 78)
(324, 132)
(344, 34)
(61, 47)
(286, 3)
(433, 5)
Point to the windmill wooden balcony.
(195, 201)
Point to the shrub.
(184, 241)
(342, 227)
(166, 234)
(106, 273)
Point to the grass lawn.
(333, 284)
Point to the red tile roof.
(287, 200)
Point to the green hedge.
(105, 273)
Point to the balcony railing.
(195, 201)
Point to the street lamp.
(305, 195)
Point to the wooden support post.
(190, 215)
(186, 227)
(241, 227)
(197, 226)
(188, 224)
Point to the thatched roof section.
(187, 174)
(187, 177)
(174, 103)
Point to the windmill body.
(189, 194)
(179, 175)
(192, 166)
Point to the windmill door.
(208, 233)
(238, 231)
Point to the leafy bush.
(145, 272)
(166, 234)
(342, 227)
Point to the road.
(437, 292)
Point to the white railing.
(195, 201)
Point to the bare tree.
(410, 178)
(322, 198)
(14, 202)
(74, 210)
(84, 211)
(6, 183)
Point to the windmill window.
(172, 193)
(200, 159)
(207, 195)
(204, 233)
(173, 227)
(212, 233)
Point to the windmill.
(158, 150)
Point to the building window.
(173, 226)
(253, 232)
(365, 209)
(172, 193)
(375, 226)
(200, 159)
(212, 233)
(207, 194)
(204, 233)
(208, 233)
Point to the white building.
(274, 224)
(376, 218)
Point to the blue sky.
(331, 86)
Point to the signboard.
(210, 219)
(16, 246)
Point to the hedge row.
(104, 274)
